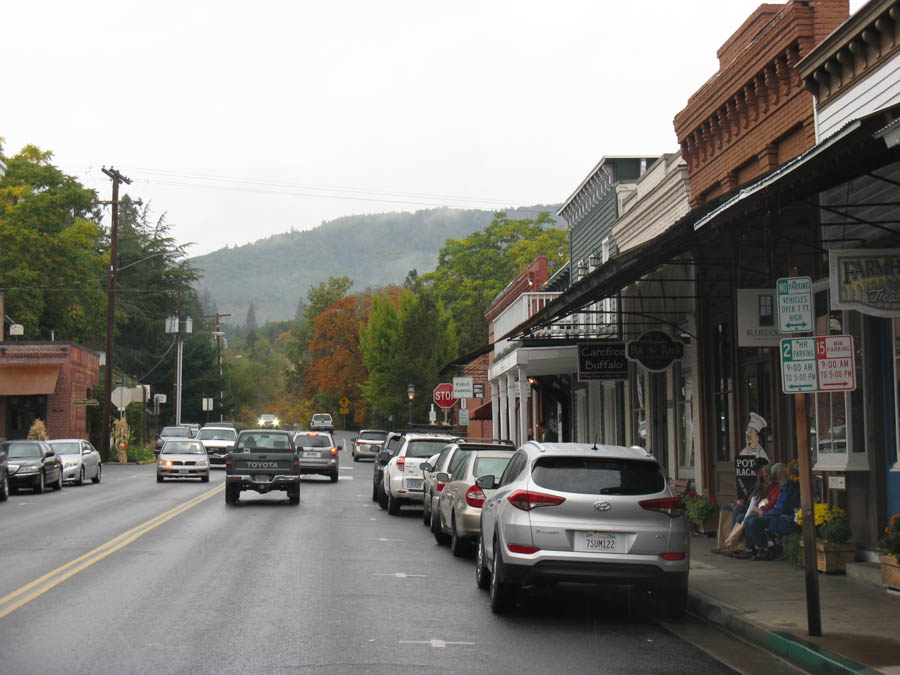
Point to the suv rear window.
(598, 476)
(425, 448)
(372, 435)
(312, 441)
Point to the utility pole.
(218, 333)
(111, 305)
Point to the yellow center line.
(84, 561)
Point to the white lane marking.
(399, 575)
(383, 539)
(373, 519)
(345, 477)
(434, 643)
(346, 468)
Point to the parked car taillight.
(528, 500)
(334, 452)
(517, 548)
(440, 486)
(671, 506)
(475, 497)
(401, 463)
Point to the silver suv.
(403, 480)
(572, 512)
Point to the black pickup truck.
(262, 460)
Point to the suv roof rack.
(475, 439)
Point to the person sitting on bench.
(779, 519)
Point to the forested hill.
(373, 250)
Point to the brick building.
(44, 380)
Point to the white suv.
(572, 512)
(403, 479)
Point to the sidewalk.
(765, 603)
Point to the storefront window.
(722, 392)
(684, 405)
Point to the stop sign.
(443, 396)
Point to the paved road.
(167, 578)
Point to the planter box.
(709, 527)
(831, 558)
(890, 571)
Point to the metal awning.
(482, 412)
(858, 149)
(27, 380)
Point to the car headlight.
(168, 462)
(70, 465)
(29, 469)
(12, 468)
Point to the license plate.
(413, 483)
(598, 542)
(310, 453)
(183, 470)
(261, 478)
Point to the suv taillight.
(334, 452)
(401, 463)
(228, 462)
(475, 497)
(671, 506)
(527, 500)
(440, 485)
(296, 463)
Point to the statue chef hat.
(757, 422)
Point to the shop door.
(755, 396)
(21, 412)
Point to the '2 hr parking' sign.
(825, 363)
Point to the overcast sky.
(241, 120)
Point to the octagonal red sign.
(443, 396)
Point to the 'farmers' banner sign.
(867, 280)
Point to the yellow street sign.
(345, 402)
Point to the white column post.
(524, 391)
(495, 409)
(503, 409)
(534, 414)
(511, 407)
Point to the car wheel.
(294, 496)
(232, 495)
(4, 487)
(96, 479)
(426, 511)
(672, 604)
(80, 479)
(204, 479)
(374, 492)
(334, 477)
(458, 546)
(58, 484)
(502, 594)
(159, 479)
(437, 527)
(39, 484)
(355, 458)
(382, 497)
(482, 574)
(393, 505)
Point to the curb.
(788, 646)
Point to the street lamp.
(410, 392)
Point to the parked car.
(583, 513)
(79, 458)
(263, 460)
(218, 441)
(171, 432)
(32, 464)
(457, 519)
(321, 422)
(4, 478)
(391, 442)
(182, 458)
(403, 481)
(446, 462)
(194, 427)
(318, 453)
(368, 443)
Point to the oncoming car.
(182, 458)
(321, 422)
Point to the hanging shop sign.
(602, 360)
(655, 350)
(867, 280)
(757, 325)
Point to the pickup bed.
(262, 460)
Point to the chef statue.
(754, 447)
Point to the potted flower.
(703, 512)
(833, 551)
(890, 547)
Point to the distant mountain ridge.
(373, 250)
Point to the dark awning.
(482, 412)
(27, 380)
(861, 147)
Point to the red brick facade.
(755, 113)
(79, 370)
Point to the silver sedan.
(80, 460)
(182, 458)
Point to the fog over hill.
(373, 250)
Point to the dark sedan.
(32, 464)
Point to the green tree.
(473, 270)
(51, 251)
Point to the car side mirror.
(51, 454)
(86, 451)
(384, 456)
(486, 482)
(443, 477)
(425, 466)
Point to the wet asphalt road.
(148, 578)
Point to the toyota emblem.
(602, 506)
